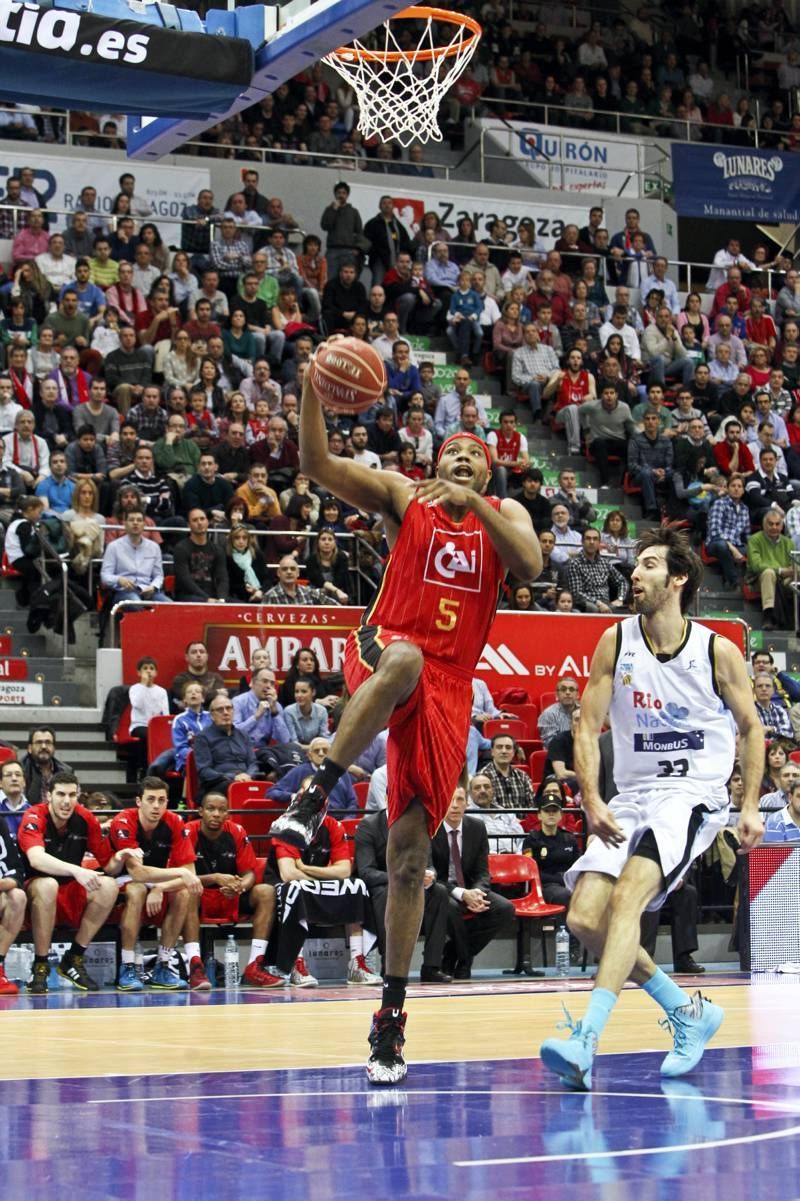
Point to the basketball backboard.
(305, 31)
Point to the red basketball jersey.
(439, 589)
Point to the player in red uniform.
(226, 866)
(410, 666)
(54, 837)
(161, 881)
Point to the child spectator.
(147, 700)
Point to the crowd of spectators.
(171, 389)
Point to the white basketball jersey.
(669, 725)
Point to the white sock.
(127, 956)
(370, 940)
(192, 950)
(165, 954)
(356, 945)
(258, 947)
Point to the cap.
(550, 803)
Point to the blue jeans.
(466, 338)
(720, 550)
(643, 476)
(661, 370)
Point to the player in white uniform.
(673, 691)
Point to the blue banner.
(742, 183)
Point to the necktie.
(455, 858)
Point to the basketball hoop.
(399, 90)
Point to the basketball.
(348, 375)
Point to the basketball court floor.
(119, 1098)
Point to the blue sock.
(599, 1011)
(665, 992)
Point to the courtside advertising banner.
(740, 183)
(59, 180)
(565, 161)
(774, 886)
(525, 650)
(410, 206)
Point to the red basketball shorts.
(215, 907)
(427, 745)
(71, 900)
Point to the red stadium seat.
(6, 753)
(192, 782)
(536, 764)
(240, 791)
(361, 789)
(257, 815)
(527, 714)
(501, 725)
(159, 737)
(545, 699)
(508, 871)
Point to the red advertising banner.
(525, 650)
(13, 669)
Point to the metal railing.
(360, 545)
(679, 129)
(20, 213)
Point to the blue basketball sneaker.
(164, 976)
(127, 980)
(571, 1058)
(692, 1028)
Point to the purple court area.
(498, 1130)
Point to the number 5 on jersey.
(448, 613)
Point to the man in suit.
(372, 834)
(460, 851)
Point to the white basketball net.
(398, 99)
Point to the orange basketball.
(348, 375)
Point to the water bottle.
(211, 968)
(53, 978)
(231, 963)
(138, 960)
(562, 951)
(13, 964)
(26, 958)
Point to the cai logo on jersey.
(455, 560)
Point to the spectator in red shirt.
(732, 455)
(162, 880)
(733, 287)
(544, 293)
(161, 321)
(201, 325)
(760, 328)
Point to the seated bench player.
(161, 881)
(12, 902)
(54, 838)
(226, 866)
(325, 861)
